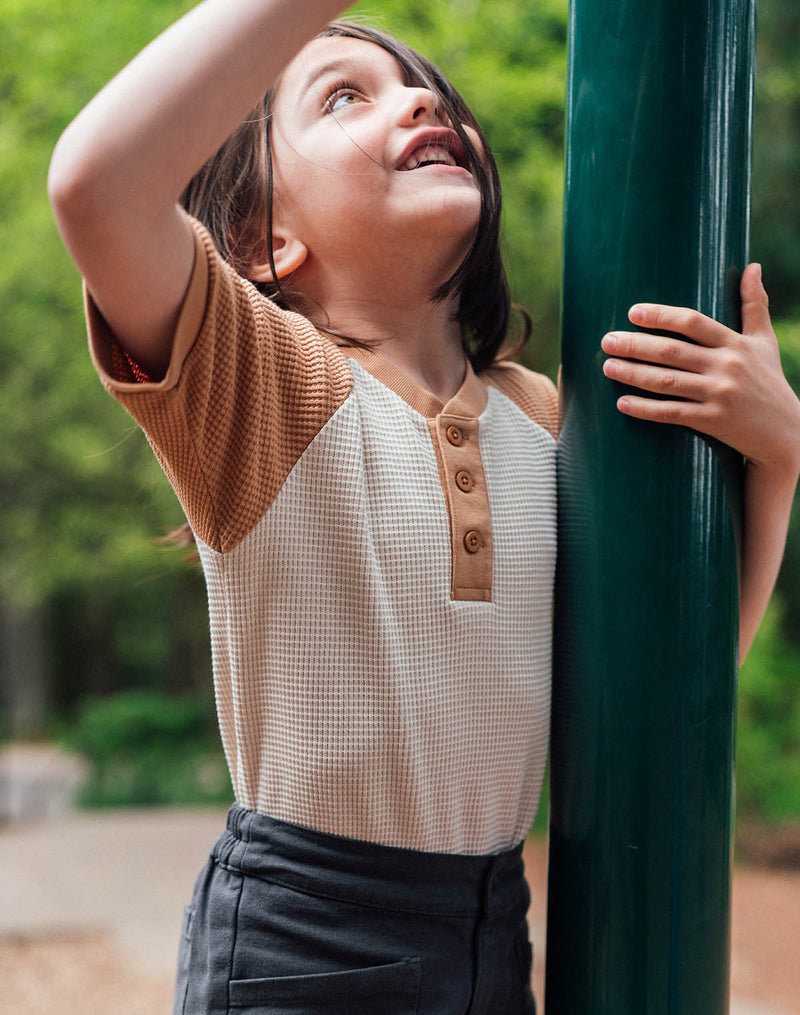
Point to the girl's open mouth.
(433, 147)
(429, 155)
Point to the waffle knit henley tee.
(379, 568)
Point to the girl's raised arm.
(120, 166)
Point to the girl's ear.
(288, 253)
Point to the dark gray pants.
(288, 921)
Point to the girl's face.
(363, 165)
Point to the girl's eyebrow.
(342, 65)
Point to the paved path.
(128, 874)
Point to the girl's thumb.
(755, 302)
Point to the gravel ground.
(90, 908)
(81, 974)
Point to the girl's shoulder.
(533, 393)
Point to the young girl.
(371, 488)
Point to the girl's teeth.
(432, 154)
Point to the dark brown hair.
(233, 194)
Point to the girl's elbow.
(75, 184)
(68, 184)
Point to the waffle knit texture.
(379, 569)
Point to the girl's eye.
(342, 96)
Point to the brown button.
(455, 435)
(464, 481)
(472, 541)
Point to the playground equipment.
(658, 155)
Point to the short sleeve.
(247, 389)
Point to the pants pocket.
(391, 989)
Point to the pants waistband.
(389, 877)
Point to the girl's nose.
(419, 105)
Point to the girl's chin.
(448, 213)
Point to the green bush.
(788, 333)
(768, 739)
(145, 748)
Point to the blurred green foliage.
(80, 494)
(768, 746)
(776, 155)
(111, 624)
(788, 332)
(148, 749)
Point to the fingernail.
(636, 313)
(611, 368)
(623, 405)
(609, 343)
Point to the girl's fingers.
(682, 321)
(755, 303)
(712, 379)
(661, 381)
(704, 330)
(655, 349)
(689, 414)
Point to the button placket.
(473, 540)
(462, 476)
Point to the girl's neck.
(437, 366)
(419, 337)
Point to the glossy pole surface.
(658, 155)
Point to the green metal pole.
(658, 155)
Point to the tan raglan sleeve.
(533, 393)
(247, 389)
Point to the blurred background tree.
(103, 631)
